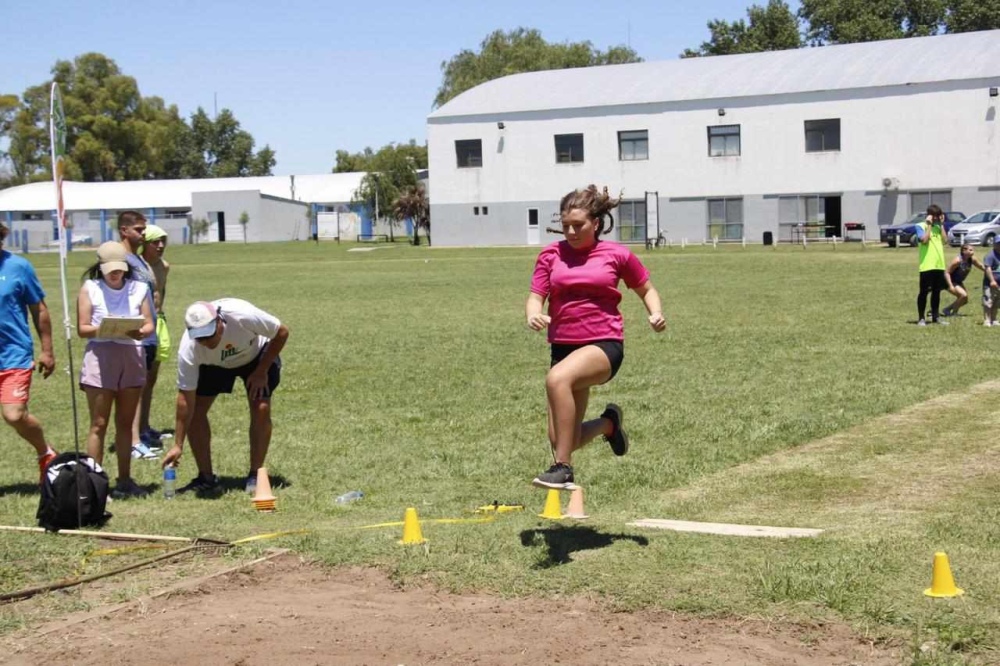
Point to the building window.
(469, 153)
(475, 210)
(486, 210)
(633, 145)
(569, 148)
(822, 135)
(532, 217)
(919, 201)
(725, 219)
(723, 140)
(632, 221)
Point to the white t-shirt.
(247, 329)
(124, 302)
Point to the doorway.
(833, 217)
(534, 236)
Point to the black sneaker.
(619, 438)
(203, 483)
(559, 476)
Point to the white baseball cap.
(200, 320)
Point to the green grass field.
(789, 389)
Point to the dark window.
(486, 210)
(723, 140)
(475, 210)
(532, 217)
(569, 148)
(822, 135)
(633, 145)
(469, 153)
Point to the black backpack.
(74, 493)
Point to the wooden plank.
(726, 529)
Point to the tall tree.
(520, 50)
(771, 28)
(972, 15)
(848, 21)
(354, 162)
(114, 133)
(391, 171)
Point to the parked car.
(979, 229)
(907, 231)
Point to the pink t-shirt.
(582, 289)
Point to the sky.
(310, 77)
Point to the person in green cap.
(932, 264)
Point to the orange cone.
(575, 507)
(942, 583)
(263, 499)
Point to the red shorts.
(15, 386)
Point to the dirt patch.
(285, 611)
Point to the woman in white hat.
(114, 368)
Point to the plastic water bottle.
(169, 482)
(347, 498)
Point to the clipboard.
(118, 327)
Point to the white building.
(787, 143)
(277, 207)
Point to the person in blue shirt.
(21, 293)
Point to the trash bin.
(768, 238)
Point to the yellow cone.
(411, 528)
(552, 510)
(575, 507)
(942, 583)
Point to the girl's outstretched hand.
(657, 322)
(538, 322)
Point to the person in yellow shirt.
(932, 264)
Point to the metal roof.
(941, 58)
(143, 194)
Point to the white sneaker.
(921, 323)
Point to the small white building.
(785, 144)
(277, 208)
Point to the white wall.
(941, 136)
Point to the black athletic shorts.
(150, 351)
(613, 349)
(214, 379)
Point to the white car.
(981, 228)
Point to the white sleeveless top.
(124, 302)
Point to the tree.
(521, 50)
(114, 133)
(972, 15)
(198, 227)
(412, 204)
(356, 162)
(771, 28)
(848, 21)
(244, 221)
(391, 170)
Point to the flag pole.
(57, 141)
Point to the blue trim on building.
(104, 225)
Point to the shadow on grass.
(563, 541)
(229, 484)
(19, 489)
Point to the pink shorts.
(15, 386)
(108, 365)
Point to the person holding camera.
(932, 238)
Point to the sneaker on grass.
(559, 476)
(618, 439)
(206, 483)
(142, 452)
(128, 489)
(251, 483)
